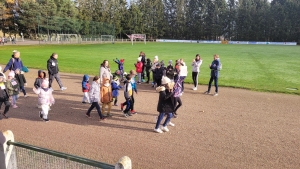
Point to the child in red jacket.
(85, 89)
(139, 69)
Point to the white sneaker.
(63, 88)
(195, 88)
(216, 94)
(165, 129)
(158, 130)
(171, 124)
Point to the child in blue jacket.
(115, 86)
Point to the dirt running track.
(238, 128)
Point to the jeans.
(23, 90)
(128, 104)
(14, 99)
(213, 78)
(95, 104)
(160, 118)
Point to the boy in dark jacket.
(158, 73)
(22, 81)
(4, 97)
(52, 66)
(148, 69)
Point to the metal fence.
(26, 156)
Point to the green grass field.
(254, 67)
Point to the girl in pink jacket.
(139, 69)
(45, 99)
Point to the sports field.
(255, 67)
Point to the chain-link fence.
(30, 157)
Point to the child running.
(45, 99)
(85, 89)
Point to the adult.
(196, 70)
(104, 72)
(214, 74)
(14, 63)
(52, 66)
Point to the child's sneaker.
(46, 120)
(122, 106)
(207, 92)
(5, 115)
(216, 94)
(115, 104)
(102, 119)
(133, 112)
(83, 102)
(158, 130)
(25, 96)
(171, 124)
(63, 88)
(14, 106)
(88, 116)
(165, 129)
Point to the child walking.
(196, 70)
(13, 88)
(4, 96)
(21, 80)
(85, 89)
(106, 97)
(95, 98)
(45, 99)
(127, 94)
(115, 87)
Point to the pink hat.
(11, 74)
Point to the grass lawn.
(255, 67)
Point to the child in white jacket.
(45, 99)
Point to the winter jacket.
(95, 92)
(127, 90)
(4, 96)
(39, 80)
(21, 79)
(52, 66)
(85, 83)
(106, 93)
(165, 101)
(115, 87)
(13, 64)
(158, 73)
(13, 87)
(148, 65)
(139, 67)
(215, 67)
(196, 66)
(45, 96)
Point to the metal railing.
(29, 156)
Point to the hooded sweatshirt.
(85, 83)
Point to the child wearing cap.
(13, 88)
(22, 81)
(4, 96)
(115, 86)
(45, 99)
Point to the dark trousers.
(57, 77)
(195, 78)
(116, 100)
(143, 74)
(215, 79)
(158, 81)
(148, 76)
(178, 100)
(128, 104)
(131, 101)
(23, 90)
(95, 104)
(7, 105)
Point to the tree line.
(242, 20)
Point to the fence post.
(7, 154)
(124, 163)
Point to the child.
(45, 99)
(133, 86)
(13, 88)
(165, 104)
(196, 70)
(4, 96)
(155, 62)
(95, 98)
(39, 80)
(158, 73)
(106, 96)
(139, 69)
(115, 87)
(127, 94)
(148, 68)
(120, 67)
(21, 80)
(85, 89)
(170, 72)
